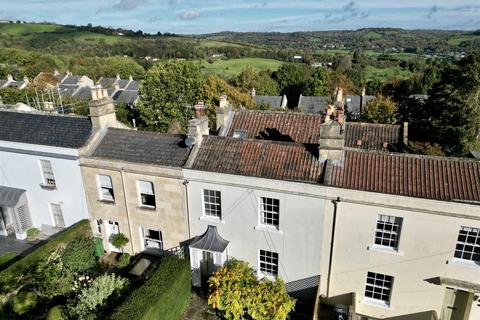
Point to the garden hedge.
(164, 296)
(10, 276)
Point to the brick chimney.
(198, 126)
(102, 109)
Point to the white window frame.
(389, 236)
(380, 289)
(150, 192)
(47, 173)
(472, 239)
(145, 238)
(101, 188)
(53, 207)
(204, 203)
(267, 274)
(261, 212)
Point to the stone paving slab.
(19, 247)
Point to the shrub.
(19, 272)
(237, 294)
(24, 302)
(118, 240)
(164, 296)
(79, 255)
(55, 313)
(97, 295)
(32, 233)
(124, 261)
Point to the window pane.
(378, 286)
(105, 181)
(145, 187)
(468, 244)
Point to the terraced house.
(339, 212)
(40, 181)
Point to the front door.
(456, 304)
(112, 228)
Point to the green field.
(386, 73)
(232, 67)
(16, 29)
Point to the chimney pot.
(199, 110)
(223, 102)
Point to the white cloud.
(190, 15)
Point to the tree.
(380, 110)
(262, 81)
(236, 293)
(167, 94)
(454, 106)
(319, 84)
(118, 240)
(291, 79)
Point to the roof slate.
(438, 178)
(44, 129)
(273, 101)
(305, 128)
(353, 103)
(258, 158)
(143, 147)
(313, 104)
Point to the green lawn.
(232, 67)
(6, 258)
(455, 41)
(386, 73)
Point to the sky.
(202, 16)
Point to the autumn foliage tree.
(167, 95)
(236, 293)
(380, 110)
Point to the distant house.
(355, 104)
(312, 104)
(275, 102)
(12, 83)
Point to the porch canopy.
(9, 196)
(462, 284)
(210, 241)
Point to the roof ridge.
(413, 155)
(263, 141)
(373, 124)
(296, 112)
(153, 133)
(43, 113)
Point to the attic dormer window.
(240, 133)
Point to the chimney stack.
(332, 132)
(56, 73)
(405, 134)
(364, 91)
(198, 126)
(9, 77)
(253, 92)
(102, 109)
(223, 112)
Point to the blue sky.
(201, 16)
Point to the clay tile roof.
(437, 178)
(305, 128)
(373, 136)
(258, 158)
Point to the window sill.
(376, 303)
(268, 229)
(149, 208)
(464, 263)
(211, 219)
(106, 201)
(387, 250)
(47, 187)
(266, 276)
